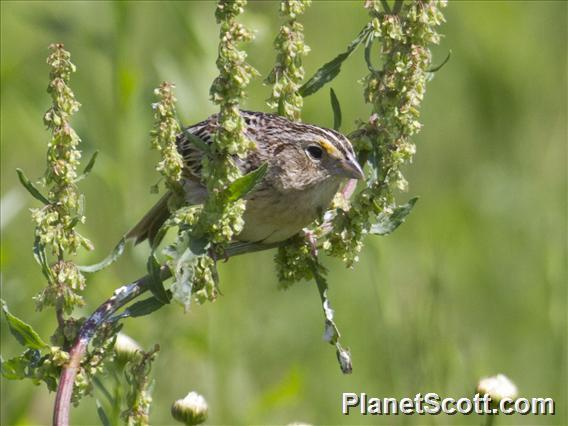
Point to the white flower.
(497, 387)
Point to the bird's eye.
(315, 152)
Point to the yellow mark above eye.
(329, 148)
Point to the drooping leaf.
(243, 185)
(156, 285)
(387, 223)
(336, 109)
(23, 332)
(344, 359)
(110, 259)
(34, 192)
(88, 167)
(331, 333)
(330, 70)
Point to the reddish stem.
(66, 382)
(121, 297)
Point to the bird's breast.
(272, 217)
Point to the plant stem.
(104, 312)
(489, 419)
(121, 297)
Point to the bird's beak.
(350, 168)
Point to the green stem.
(489, 420)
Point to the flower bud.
(191, 410)
(497, 387)
(126, 348)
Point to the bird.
(306, 166)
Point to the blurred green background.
(472, 285)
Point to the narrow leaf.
(336, 109)
(367, 54)
(89, 166)
(156, 285)
(100, 385)
(41, 259)
(444, 62)
(397, 7)
(386, 6)
(102, 415)
(388, 223)
(23, 332)
(197, 141)
(34, 192)
(110, 259)
(329, 70)
(162, 231)
(243, 185)
(144, 307)
(331, 332)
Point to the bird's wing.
(194, 141)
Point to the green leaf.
(444, 62)
(198, 246)
(15, 368)
(331, 333)
(197, 141)
(336, 109)
(103, 389)
(388, 223)
(367, 54)
(397, 7)
(180, 259)
(143, 307)
(243, 185)
(110, 259)
(41, 258)
(156, 285)
(102, 415)
(162, 231)
(330, 70)
(34, 192)
(23, 332)
(89, 166)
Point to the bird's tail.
(149, 225)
